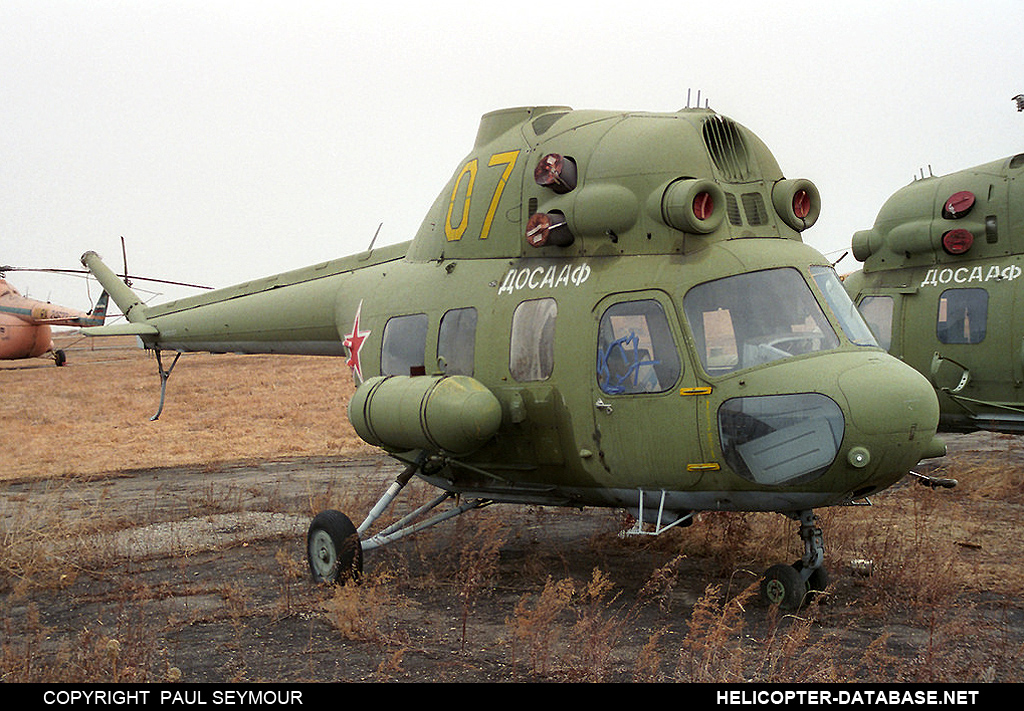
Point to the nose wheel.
(790, 586)
(783, 585)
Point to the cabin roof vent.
(728, 148)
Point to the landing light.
(957, 241)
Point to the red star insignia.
(354, 343)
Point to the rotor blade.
(85, 271)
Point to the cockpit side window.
(963, 316)
(532, 351)
(758, 317)
(636, 352)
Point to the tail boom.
(291, 313)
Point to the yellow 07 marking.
(509, 161)
(455, 232)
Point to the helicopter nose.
(894, 410)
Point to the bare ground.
(195, 571)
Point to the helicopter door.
(966, 338)
(641, 421)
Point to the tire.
(333, 550)
(818, 580)
(782, 585)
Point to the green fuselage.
(669, 339)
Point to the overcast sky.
(231, 140)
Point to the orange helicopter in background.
(25, 324)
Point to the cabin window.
(842, 306)
(877, 311)
(963, 316)
(636, 352)
(404, 345)
(532, 352)
(456, 341)
(758, 317)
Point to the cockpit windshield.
(758, 317)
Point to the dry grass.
(92, 416)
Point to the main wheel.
(783, 585)
(818, 580)
(333, 550)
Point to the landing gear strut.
(333, 544)
(789, 586)
(164, 375)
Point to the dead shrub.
(595, 631)
(478, 565)
(363, 611)
(534, 627)
(711, 650)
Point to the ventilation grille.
(732, 209)
(753, 206)
(728, 150)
